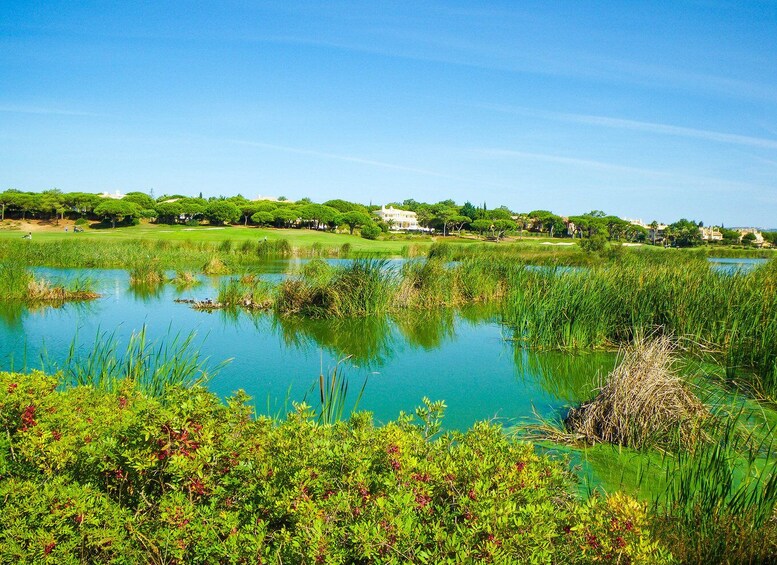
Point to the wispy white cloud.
(358, 160)
(666, 177)
(574, 161)
(635, 125)
(13, 109)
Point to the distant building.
(271, 198)
(710, 234)
(115, 195)
(572, 229)
(398, 219)
(759, 238)
(655, 233)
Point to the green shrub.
(593, 244)
(92, 476)
(370, 231)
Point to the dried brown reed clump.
(41, 290)
(642, 403)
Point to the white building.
(398, 219)
(759, 238)
(710, 233)
(115, 195)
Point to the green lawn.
(301, 238)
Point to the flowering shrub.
(119, 477)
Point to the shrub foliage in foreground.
(90, 476)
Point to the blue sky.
(652, 110)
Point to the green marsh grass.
(365, 287)
(185, 279)
(608, 305)
(146, 273)
(274, 248)
(720, 499)
(247, 291)
(18, 284)
(151, 366)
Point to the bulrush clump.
(215, 266)
(41, 290)
(643, 402)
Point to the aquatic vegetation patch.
(642, 403)
(18, 284)
(719, 503)
(364, 287)
(215, 266)
(146, 273)
(609, 305)
(185, 279)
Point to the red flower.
(196, 486)
(520, 466)
(12, 387)
(28, 418)
(122, 402)
(493, 540)
(56, 435)
(49, 548)
(422, 500)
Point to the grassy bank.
(97, 476)
(180, 247)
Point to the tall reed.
(146, 273)
(152, 366)
(364, 287)
(17, 284)
(720, 499)
(247, 291)
(610, 304)
(333, 394)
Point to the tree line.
(446, 217)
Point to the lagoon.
(465, 357)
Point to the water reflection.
(567, 376)
(373, 341)
(146, 292)
(369, 341)
(427, 330)
(460, 356)
(11, 313)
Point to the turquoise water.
(462, 357)
(731, 264)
